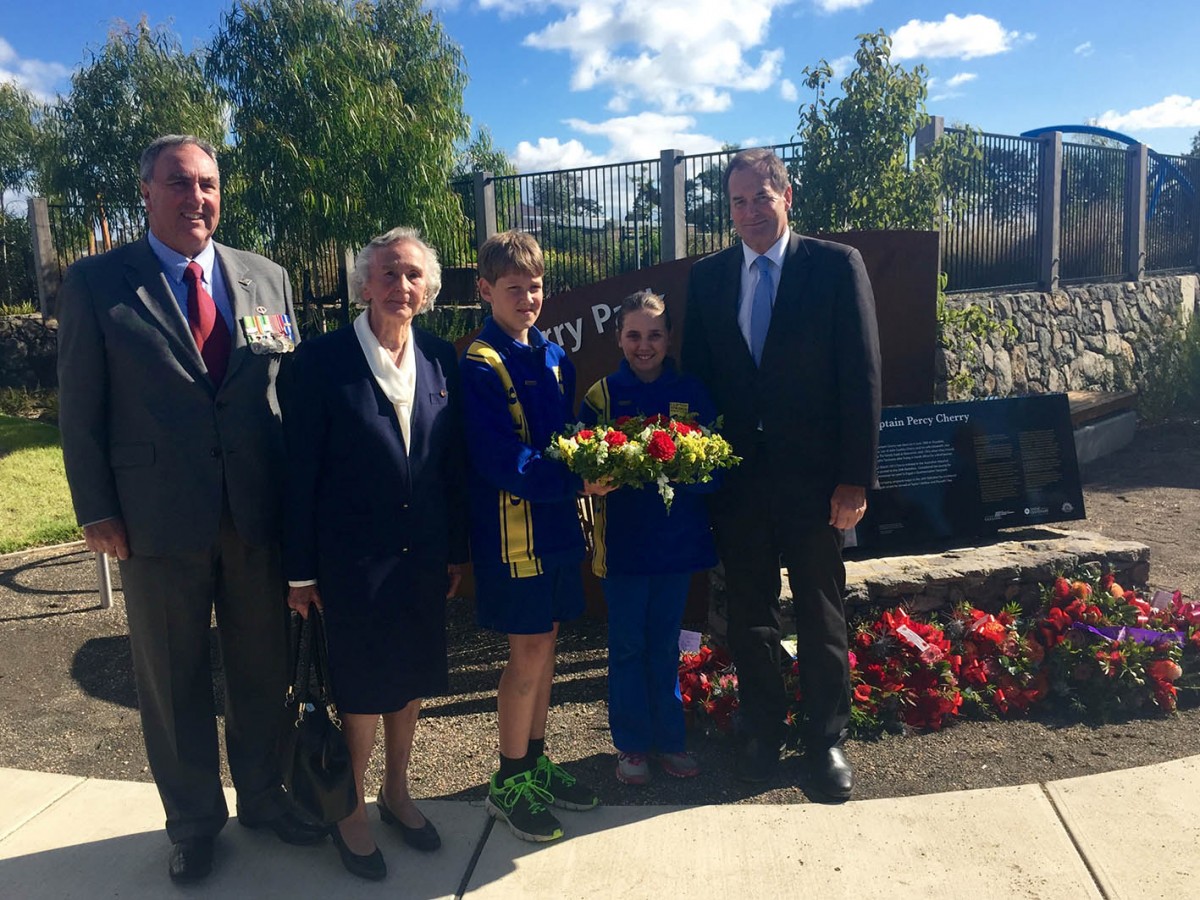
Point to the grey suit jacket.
(145, 434)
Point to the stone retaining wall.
(28, 352)
(1081, 338)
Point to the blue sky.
(575, 82)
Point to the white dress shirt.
(750, 280)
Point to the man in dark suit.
(781, 329)
(168, 353)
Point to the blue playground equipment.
(1165, 166)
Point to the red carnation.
(615, 439)
(1062, 589)
(862, 693)
(661, 447)
(585, 434)
(622, 420)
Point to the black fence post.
(672, 188)
(485, 207)
(45, 260)
(1050, 211)
(1137, 163)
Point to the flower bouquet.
(635, 451)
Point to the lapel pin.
(261, 310)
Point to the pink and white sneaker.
(678, 765)
(632, 768)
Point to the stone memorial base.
(1013, 567)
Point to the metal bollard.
(103, 580)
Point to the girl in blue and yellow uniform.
(645, 555)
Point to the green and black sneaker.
(521, 803)
(565, 790)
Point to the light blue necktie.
(760, 309)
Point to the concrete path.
(1127, 834)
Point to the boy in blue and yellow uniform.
(526, 541)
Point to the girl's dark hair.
(644, 300)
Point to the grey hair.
(397, 235)
(158, 145)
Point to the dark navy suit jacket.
(361, 508)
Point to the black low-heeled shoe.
(426, 838)
(372, 866)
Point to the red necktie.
(208, 328)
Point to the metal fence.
(599, 221)
(592, 223)
(990, 235)
(79, 231)
(17, 285)
(1172, 223)
(1093, 211)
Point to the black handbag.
(316, 760)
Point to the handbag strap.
(319, 665)
(299, 690)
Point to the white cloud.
(36, 76)
(842, 67)
(643, 136)
(1084, 49)
(551, 153)
(960, 37)
(787, 91)
(832, 6)
(677, 56)
(1175, 111)
(960, 79)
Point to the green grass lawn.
(35, 505)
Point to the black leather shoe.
(425, 838)
(757, 760)
(832, 775)
(288, 826)
(372, 866)
(191, 859)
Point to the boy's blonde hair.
(647, 301)
(510, 252)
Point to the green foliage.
(1168, 384)
(346, 115)
(18, 291)
(855, 171)
(482, 155)
(37, 504)
(38, 403)
(17, 139)
(567, 270)
(1195, 151)
(961, 331)
(139, 86)
(452, 322)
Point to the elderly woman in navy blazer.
(376, 534)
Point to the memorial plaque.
(963, 470)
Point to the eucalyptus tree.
(16, 139)
(141, 84)
(345, 117)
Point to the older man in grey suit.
(169, 350)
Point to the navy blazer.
(356, 496)
(817, 391)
